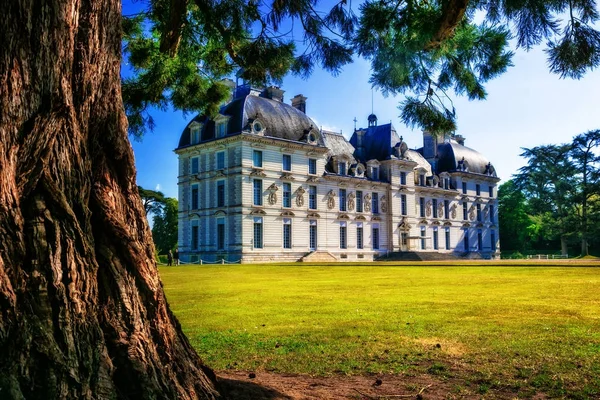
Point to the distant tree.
(548, 183)
(517, 230)
(153, 200)
(584, 152)
(164, 227)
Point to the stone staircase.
(428, 256)
(319, 256)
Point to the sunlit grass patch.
(530, 328)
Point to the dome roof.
(453, 156)
(278, 119)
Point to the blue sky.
(526, 107)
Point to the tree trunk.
(564, 250)
(83, 313)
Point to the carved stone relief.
(351, 198)
(428, 208)
(272, 198)
(367, 202)
(300, 196)
(331, 199)
(383, 203)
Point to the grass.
(527, 328)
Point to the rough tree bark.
(83, 313)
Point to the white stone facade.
(257, 198)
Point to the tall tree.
(517, 230)
(547, 182)
(584, 154)
(83, 312)
(164, 226)
(152, 200)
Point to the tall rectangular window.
(375, 203)
(478, 189)
(478, 208)
(375, 173)
(221, 234)
(376, 237)
(221, 194)
(359, 201)
(435, 239)
(465, 210)
(403, 207)
(195, 136)
(342, 193)
(343, 236)
(466, 240)
(447, 209)
(491, 212)
(359, 235)
(257, 159)
(403, 178)
(195, 197)
(287, 194)
(195, 165)
(422, 207)
(342, 168)
(257, 192)
(286, 163)
(423, 244)
(435, 203)
(221, 160)
(195, 235)
(258, 233)
(287, 233)
(447, 238)
(312, 197)
(221, 129)
(312, 166)
(493, 240)
(464, 187)
(479, 240)
(491, 191)
(446, 183)
(421, 179)
(312, 229)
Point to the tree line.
(553, 202)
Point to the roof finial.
(354, 123)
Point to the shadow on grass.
(234, 389)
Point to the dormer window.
(421, 179)
(257, 127)
(221, 129)
(446, 183)
(342, 168)
(375, 173)
(195, 135)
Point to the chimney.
(299, 102)
(273, 93)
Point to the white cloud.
(157, 188)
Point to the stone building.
(260, 182)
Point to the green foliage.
(164, 227)
(557, 192)
(152, 200)
(494, 320)
(180, 50)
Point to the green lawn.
(526, 328)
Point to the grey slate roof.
(378, 142)
(451, 153)
(279, 119)
(338, 145)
